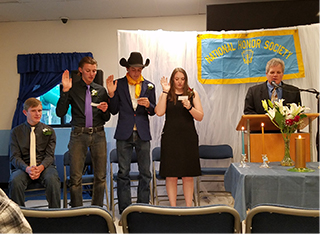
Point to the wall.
(96, 36)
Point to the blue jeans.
(19, 181)
(124, 151)
(78, 147)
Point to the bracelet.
(165, 92)
(190, 108)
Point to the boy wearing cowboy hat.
(133, 97)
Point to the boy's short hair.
(31, 102)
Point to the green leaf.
(303, 116)
(270, 103)
(279, 118)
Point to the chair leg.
(111, 192)
(65, 197)
(156, 193)
(195, 194)
(198, 191)
(107, 197)
(151, 193)
(65, 187)
(112, 206)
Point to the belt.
(89, 130)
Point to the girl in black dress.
(179, 139)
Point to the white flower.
(272, 113)
(46, 132)
(265, 105)
(280, 105)
(295, 110)
(150, 86)
(94, 92)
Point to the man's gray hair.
(274, 62)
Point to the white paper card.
(95, 104)
(180, 98)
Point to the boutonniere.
(150, 86)
(94, 93)
(46, 131)
(190, 92)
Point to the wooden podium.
(273, 141)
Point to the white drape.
(222, 104)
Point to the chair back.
(156, 154)
(212, 153)
(269, 218)
(145, 218)
(91, 219)
(215, 151)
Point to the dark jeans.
(124, 150)
(19, 181)
(78, 147)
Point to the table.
(252, 186)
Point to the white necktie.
(33, 161)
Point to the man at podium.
(272, 89)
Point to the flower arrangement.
(94, 92)
(46, 131)
(288, 120)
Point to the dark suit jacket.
(255, 94)
(121, 103)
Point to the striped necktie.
(274, 95)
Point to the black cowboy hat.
(135, 60)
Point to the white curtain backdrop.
(222, 104)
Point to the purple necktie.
(88, 108)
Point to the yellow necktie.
(274, 95)
(136, 83)
(33, 160)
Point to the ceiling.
(50, 10)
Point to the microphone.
(274, 84)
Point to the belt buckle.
(90, 130)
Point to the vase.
(287, 160)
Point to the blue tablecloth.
(252, 186)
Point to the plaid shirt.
(11, 217)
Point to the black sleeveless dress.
(179, 143)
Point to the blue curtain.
(39, 73)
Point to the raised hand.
(111, 86)
(66, 81)
(164, 83)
